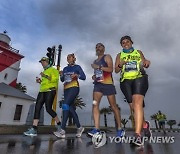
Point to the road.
(48, 143)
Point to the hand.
(38, 80)
(95, 66)
(146, 63)
(94, 77)
(61, 73)
(74, 76)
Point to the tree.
(154, 117)
(116, 125)
(77, 104)
(105, 111)
(21, 87)
(124, 122)
(171, 123)
(178, 124)
(131, 117)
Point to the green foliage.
(105, 110)
(124, 122)
(21, 87)
(171, 123)
(78, 102)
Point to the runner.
(161, 121)
(70, 76)
(134, 83)
(48, 85)
(103, 86)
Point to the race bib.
(99, 75)
(67, 78)
(131, 66)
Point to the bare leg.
(57, 119)
(96, 113)
(35, 122)
(138, 112)
(112, 102)
(132, 113)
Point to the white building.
(14, 104)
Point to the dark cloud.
(153, 26)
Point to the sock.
(35, 127)
(59, 123)
(119, 128)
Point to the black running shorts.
(134, 86)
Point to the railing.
(11, 48)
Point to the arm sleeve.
(54, 75)
(82, 75)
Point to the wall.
(7, 109)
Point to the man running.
(161, 121)
(103, 86)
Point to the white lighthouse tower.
(9, 61)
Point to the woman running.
(70, 76)
(133, 83)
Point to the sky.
(79, 25)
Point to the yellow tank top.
(131, 70)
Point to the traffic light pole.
(58, 68)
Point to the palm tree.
(124, 122)
(77, 104)
(21, 87)
(171, 123)
(178, 124)
(154, 117)
(105, 111)
(131, 117)
(116, 125)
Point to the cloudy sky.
(78, 25)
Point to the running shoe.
(147, 131)
(31, 132)
(60, 134)
(79, 131)
(92, 132)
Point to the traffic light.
(51, 55)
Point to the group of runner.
(129, 62)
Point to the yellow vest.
(161, 117)
(47, 85)
(130, 70)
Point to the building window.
(5, 76)
(17, 115)
(0, 104)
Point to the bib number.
(131, 66)
(67, 78)
(99, 75)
